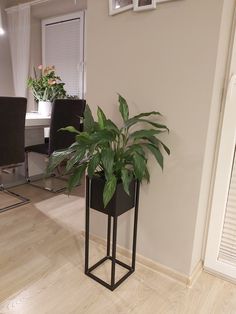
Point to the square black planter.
(119, 204)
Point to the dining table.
(34, 119)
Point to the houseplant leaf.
(109, 189)
(70, 129)
(134, 121)
(124, 109)
(135, 148)
(157, 153)
(165, 147)
(144, 134)
(88, 120)
(75, 178)
(93, 164)
(139, 166)
(101, 118)
(84, 138)
(102, 136)
(111, 126)
(146, 114)
(126, 178)
(157, 142)
(147, 175)
(107, 160)
(56, 159)
(76, 158)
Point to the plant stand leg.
(87, 225)
(111, 252)
(113, 258)
(109, 235)
(135, 226)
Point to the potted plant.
(112, 156)
(115, 159)
(46, 87)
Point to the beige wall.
(6, 79)
(160, 60)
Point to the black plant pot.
(120, 203)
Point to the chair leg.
(33, 182)
(22, 200)
(52, 190)
(27, 167)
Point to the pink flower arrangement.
(46, 85)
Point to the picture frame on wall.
(118, 6)
(160, 1)
(143, 5)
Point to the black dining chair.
(12, 141)
(65, 112)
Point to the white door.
(63, 47)
(221, 243)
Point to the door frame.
(222, 169)
(221, 186)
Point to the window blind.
(227, 251)
(62, 49)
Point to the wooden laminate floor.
(41, 269)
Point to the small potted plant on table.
(46, 87)
(115, 159)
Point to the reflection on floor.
(41, 268)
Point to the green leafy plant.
(46, 86)
(115, 153)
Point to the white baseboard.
(155, 266)
(219, 275)
(196, 273)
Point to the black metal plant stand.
(111, 253)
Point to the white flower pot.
(45, 108)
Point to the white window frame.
(58, 19)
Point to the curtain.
(1, 24)
(19, 35)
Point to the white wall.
(160, 60)
(6, 79)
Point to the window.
(63, 47)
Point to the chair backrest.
(12, 130)
(65, 112)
